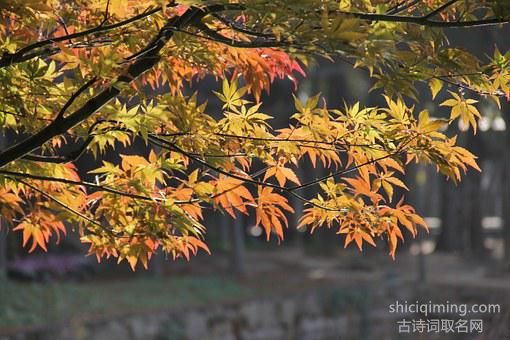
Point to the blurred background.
(307, 287)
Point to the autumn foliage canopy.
(89, 77)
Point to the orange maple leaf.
(269, 211)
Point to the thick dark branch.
(167, 31)
(419, 20)
(149, 57)
(45, 47)
(214, 35)
(57, 127)
(133, 71)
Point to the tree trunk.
(474, 242)
(460, 209)
(449, 237)
(472, 202)
(237, 250)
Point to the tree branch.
(86, 184)
(71, 157)
(214, 35)
(247, 180)
(440, 9)
(133, 71)
(298, 140)
(402, 6)
(241, 29)
(290, 191)
(106, 13)
(424, 20)
(21, 55)
(354, 168)
(65, 206)
(75, 96)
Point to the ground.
(206, 281)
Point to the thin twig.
(75, 96)
(63, 205)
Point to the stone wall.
(327, 312)
(324, 314)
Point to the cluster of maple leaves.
(60, 58)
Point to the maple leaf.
(361, 186)
(39, 226)
(188, 245)
(137, 250)
(464, 109)
(231, 95)
(387, 181)
(358, 236)
(10, 203)
(232, 194)
(282, 174)
(394, 234)
(435, 87)
(270, 211)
